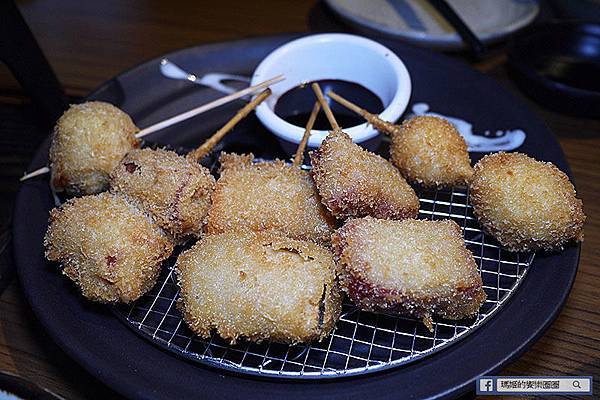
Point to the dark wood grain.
(89, 42)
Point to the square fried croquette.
(354, 182)
(259, 286)
(272, 196)
(415, 267)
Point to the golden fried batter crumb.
(413, 267)
(354, 182)
(88, 142)
(429, 151)
(267, 196)
(174, 190)
(259, 286)
(526, 204)
(108, 247)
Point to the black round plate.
(107, 348)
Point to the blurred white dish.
(333, 56)
(418, 22)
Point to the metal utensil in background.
(212, 80)
(475, 45)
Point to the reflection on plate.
(418, 22)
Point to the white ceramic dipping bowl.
(333, 56)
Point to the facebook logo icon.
(486, 385)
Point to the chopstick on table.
(476, 46)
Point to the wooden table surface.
(89, 42)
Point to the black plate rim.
(161, 383)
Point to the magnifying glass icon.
(577, 384)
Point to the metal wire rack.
(361, 341)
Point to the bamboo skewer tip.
(33, 174)
(208, 145)
(330, 117)
(307, 131)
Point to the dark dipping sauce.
(295, 105)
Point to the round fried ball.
(88, 142)
(108, 247)
(526, 204)
(259, 285)
(429, 151)
(176, 191)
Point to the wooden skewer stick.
(309, 125)
(207, 146)
(317, 89)
(208, 106)
(381, 125)
(37, 172)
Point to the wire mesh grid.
(361, 341)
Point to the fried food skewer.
(309, 125)
(146, 131)
(175, 190)
(88, 141)
(354, 182)
(269, 196)
(428, 151)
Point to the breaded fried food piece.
(415, 267)
(258, 286)
(260, 196)
(108, 247)
(527, 205)
(354, 182)
(430, 152)
(88, 141)
(173, 189)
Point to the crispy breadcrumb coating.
(173, 189)
(429, 151)
(88, 142)
(258, 286)
(527, 205)
(108, 247)
(415, 267)
(354, 182)
(267, 196)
